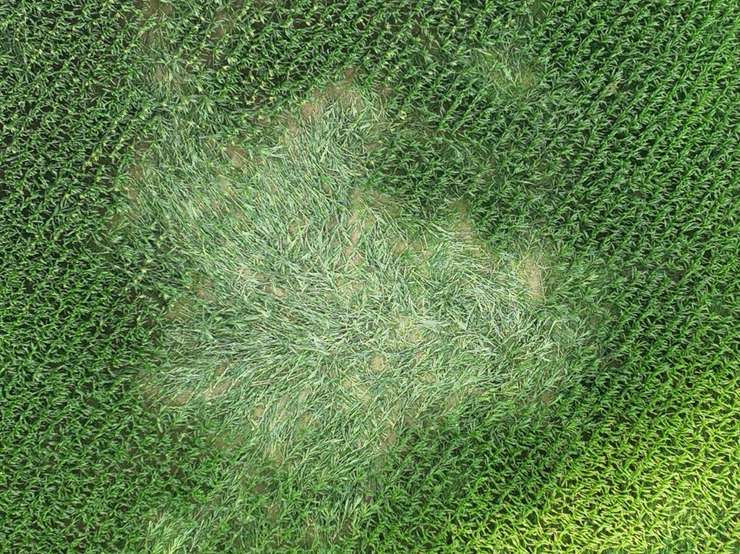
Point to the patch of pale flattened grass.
(236, 155)
(531, 275)
(322, 320)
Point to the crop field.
(364, 276)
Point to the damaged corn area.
(321, 322)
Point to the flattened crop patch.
(342, 321)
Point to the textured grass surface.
(321, 322)
(149, 150)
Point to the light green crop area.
(322, 320)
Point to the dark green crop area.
(369, 276)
